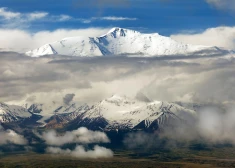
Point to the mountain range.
(120, 41)
(116, 112)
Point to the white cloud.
(64, 18)
(80, 152)
(219, 36)
(113, 18)
(22, 41)
(10, 136)
(9, 19)
(107, 18)
(222, 4)
(8, 14)
(81, 135)
(37, 15)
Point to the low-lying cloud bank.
(81, 152)
(81, 135)
(218, 36)
(214, 125)
(22, 41)
(176, 78)
(10, 136)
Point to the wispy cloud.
(102, 3)
(8, 14)
(113, 18)
(108, 18)
(37, 15)
(11, 19)
(64, 18)
(222, 4)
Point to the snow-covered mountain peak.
(47, 49)
(121, 32)
(123, 112)
(120, 41)
(10, 113)
(117, 98)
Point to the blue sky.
(26, 24)
(164, 16)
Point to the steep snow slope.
(11, 113)
(119, 41)
(124, 113)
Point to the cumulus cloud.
(81, 135)
(219, 36)
(10, 136)
(80, 152)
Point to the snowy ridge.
(119, 41)
(44, 50)
(47, 111)
(12, 113)
(116, 112)
(122, 112)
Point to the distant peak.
(117, 31)
(116, 96)
(114, 29)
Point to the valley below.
(210, 157)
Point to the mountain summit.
(120, 41)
